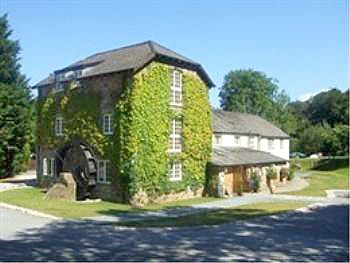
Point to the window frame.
(270, 144)
(251, 143)
(174, 88)
(102, 176)
(217, 139)
(59, 126)
(110, 126)
(49, 167)
(173, 136)
(172, 171)
(237, 140)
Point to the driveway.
(317, 235)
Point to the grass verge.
(33, 198)
(320, 181)
(219, 216)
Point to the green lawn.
(33, 198)
(220, 216)
(322, 180)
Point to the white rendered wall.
(260, 143)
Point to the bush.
(271, 173)
(256, 182)
(290, 175)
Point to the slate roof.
(244, 123)
(133, 57)
(234, 156)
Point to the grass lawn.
(322, 180)
(220, 216)
(33, 198)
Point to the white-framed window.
(281, 144)
(49, 167)
(251, 142)
(218, 139)
(270, 143)
(175, 171)
(175, 142)
(59, 126)
(107, 124)
(176, 88)
(237, 140)
(104, 171)
(59, 78)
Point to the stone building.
(135, 124)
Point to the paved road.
(318, 235)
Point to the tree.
(330, 106)
(15, 106)
(253, 92)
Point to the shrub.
(271, 173)
(256, 181)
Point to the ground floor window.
(175, 171)
(49, 167)
(104, 171)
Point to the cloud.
(307, 96)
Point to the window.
(281, 144)
(175, 136)
(270, 144)
(59, 78)
(107, 124)
(237, 140)
(218, 139)
(175, 171)
(251, 142)
(176, 88)
(49, 167)
(59, 126)
(104, 171)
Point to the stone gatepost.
(221, 177)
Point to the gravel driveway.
(318, 235)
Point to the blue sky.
(303, 44)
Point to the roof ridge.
(118, 49)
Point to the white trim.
(102, 171)
(270, 144)
(44, 167)
(174, 136)
(174, 89)
(175, 167)
(59, 126)
(107, 126)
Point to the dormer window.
(176, 88)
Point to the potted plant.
(256, 181)
(271, 176)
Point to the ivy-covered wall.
(143, 123)
(138, 148)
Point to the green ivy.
(139, 146)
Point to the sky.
(301, 43)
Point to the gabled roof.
(234, 156)
(133, 57)
(244, 123)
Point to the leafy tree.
(15, 107)
(330, 106)
(253, 92)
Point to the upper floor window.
(175, 171)
(251, 142)
(270, 144)
(104, 171)
(176, 88)
(281, 144)
(218, 139)
(59, 126)
(175, 136)
(237, 140)
(107, 124)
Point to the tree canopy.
(15, 106)
(253, 92)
